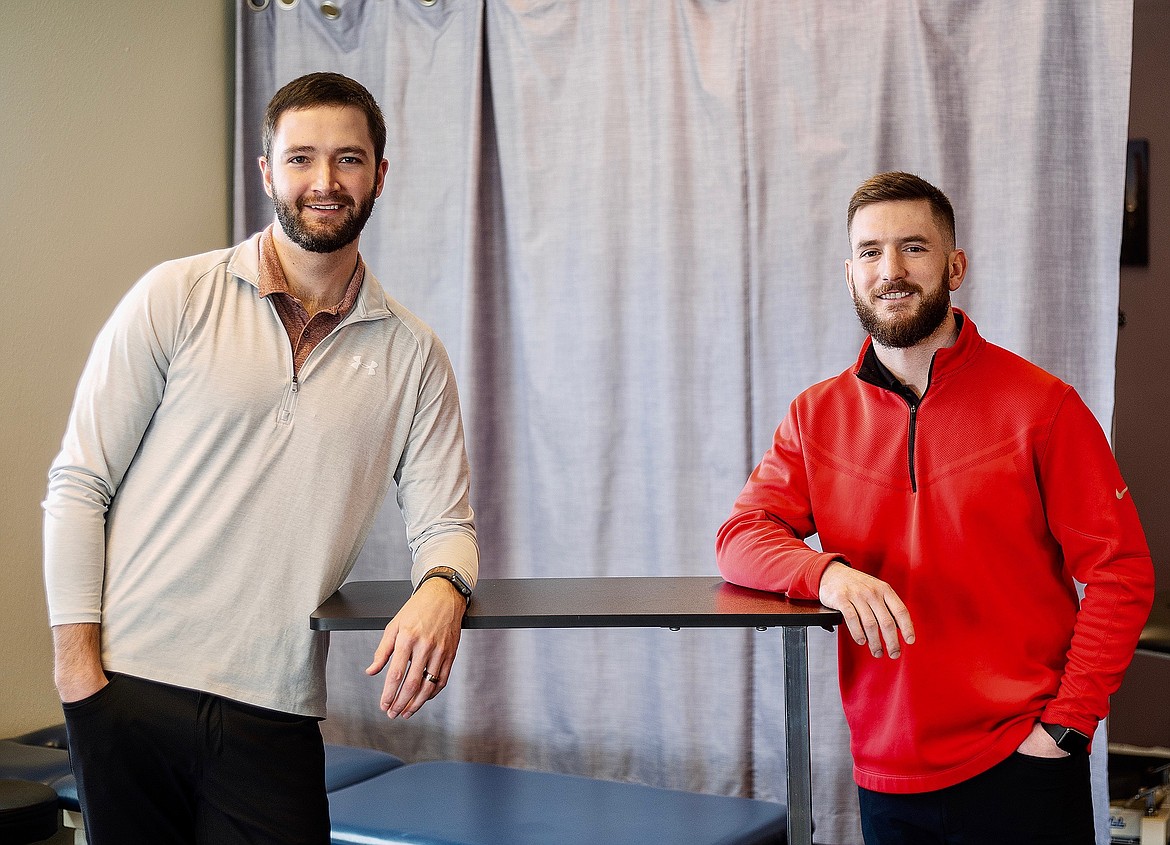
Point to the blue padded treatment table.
(32, 762)
(42, 756)
(50, 737)
(346, 766)
(42, 761)
(66, 789)
(456, 803)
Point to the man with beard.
(957, 492)
(239, 422)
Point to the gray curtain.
(625, 218)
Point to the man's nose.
(892, 266)
(324, 177)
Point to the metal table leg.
(796, 736)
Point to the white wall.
(115, 136)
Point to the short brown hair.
(897, 185)
(324, 89)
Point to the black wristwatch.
(1067, 739)
(448, 574)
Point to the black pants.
(1022, 801)
(158, 765)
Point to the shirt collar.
(272, 279)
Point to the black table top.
(668, 602)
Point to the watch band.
(448, 574)
(1067, 739)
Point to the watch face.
(1066, 739)
(460, 585)
(449, 574)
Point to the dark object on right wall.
(1135, 229)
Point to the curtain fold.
(626, 222)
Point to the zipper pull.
(286, 407)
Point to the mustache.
(896, 287)
(326, 199)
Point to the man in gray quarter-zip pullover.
(240, 420)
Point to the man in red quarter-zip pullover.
(958, 491)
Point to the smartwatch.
(448, 574)
(1067, 739)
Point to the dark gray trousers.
(157, 765)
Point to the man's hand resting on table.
(422, 638)
(873, 612)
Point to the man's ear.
(383, 169)
(957, 268)
(266, 174)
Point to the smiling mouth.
(894, 295)
(324, 205)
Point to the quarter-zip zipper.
(289, 406)
(875, 374)
(872, 371)
(912, 400)
(910, 443)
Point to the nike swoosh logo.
(1121, 492)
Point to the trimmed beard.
(904, 332)
(325, 238)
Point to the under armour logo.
(368, 366)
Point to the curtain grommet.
(330, 10)
(287, 4)
(427, 2)
(258, 5)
